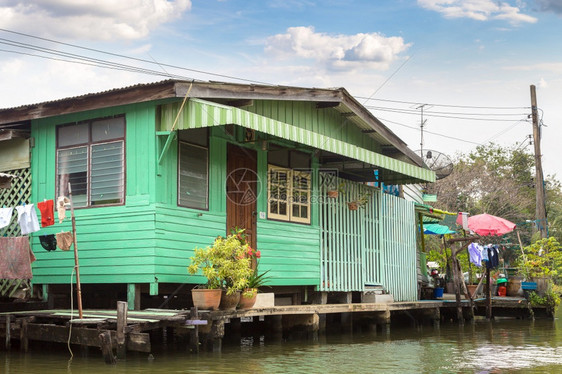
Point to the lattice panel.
(9, 287)
(19, 193)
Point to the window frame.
(89, 144)
(207, 202)
(290, 200)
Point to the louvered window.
(91, 157)
(193, 169)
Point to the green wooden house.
(159, 169)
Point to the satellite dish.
(438, 162)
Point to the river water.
(502, 346)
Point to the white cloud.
(87, 19)
(338, 52)
(480, 10)
(543, 83)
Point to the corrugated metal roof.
(348, 106)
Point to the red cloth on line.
(15, 258)
(47, 212)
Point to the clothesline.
(29, 222)
(27, 215)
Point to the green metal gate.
(375, 244)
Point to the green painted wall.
(116, 244)
(150, 238)
(304, 114)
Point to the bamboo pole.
(76, 264)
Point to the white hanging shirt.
(5, 216)
(27, 218)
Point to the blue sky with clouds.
(468, 54)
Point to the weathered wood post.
(106, 349)
(8, 332)
(120, 334)
(488, 295)
(274, 327)
(456, 284)
(194, 333)
(23, 336)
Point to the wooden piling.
(23, 336)
(120, 334)
(8, 332)
(106, 349)
(194, 334)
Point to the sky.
(468, 63)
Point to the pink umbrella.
(487, 224)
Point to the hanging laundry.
(49, 242)
(5, 216)
(27, 218)
(62, 201)
(493, 257)
(475, 251)
(16, 258)
(485, 253)
(47, 212)
(64, 240)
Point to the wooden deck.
(130, 330)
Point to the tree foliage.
(499, 181)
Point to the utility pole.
(540, 213)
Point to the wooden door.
(242, 187)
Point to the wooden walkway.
(121, 330)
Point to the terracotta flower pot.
(352, 205)
(206, 299)
(247, 302)
(333, 194)
(471, 288)
(229, 302)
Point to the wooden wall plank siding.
(150, 239)
(290, 251)
(372, 245)
(116, 243)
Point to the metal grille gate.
(375, 244)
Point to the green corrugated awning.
(199, 113)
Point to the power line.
(412, 112)
(447, 105)
(504, 131)
(429, 132)
(79, 59)
(132, 58)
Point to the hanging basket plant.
(334, 192)
(361, 202)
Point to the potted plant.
(360, 202)
(333, 193)
(541, 263)
(226, 267)
(256, 280)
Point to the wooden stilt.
(23, 336)
(8, 331)
(121, 327)
(488, 296)
(457, 286)
(106, 349)
(194, 334)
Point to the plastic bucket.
(502, 291)
(438, 293)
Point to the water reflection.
(499, 347)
